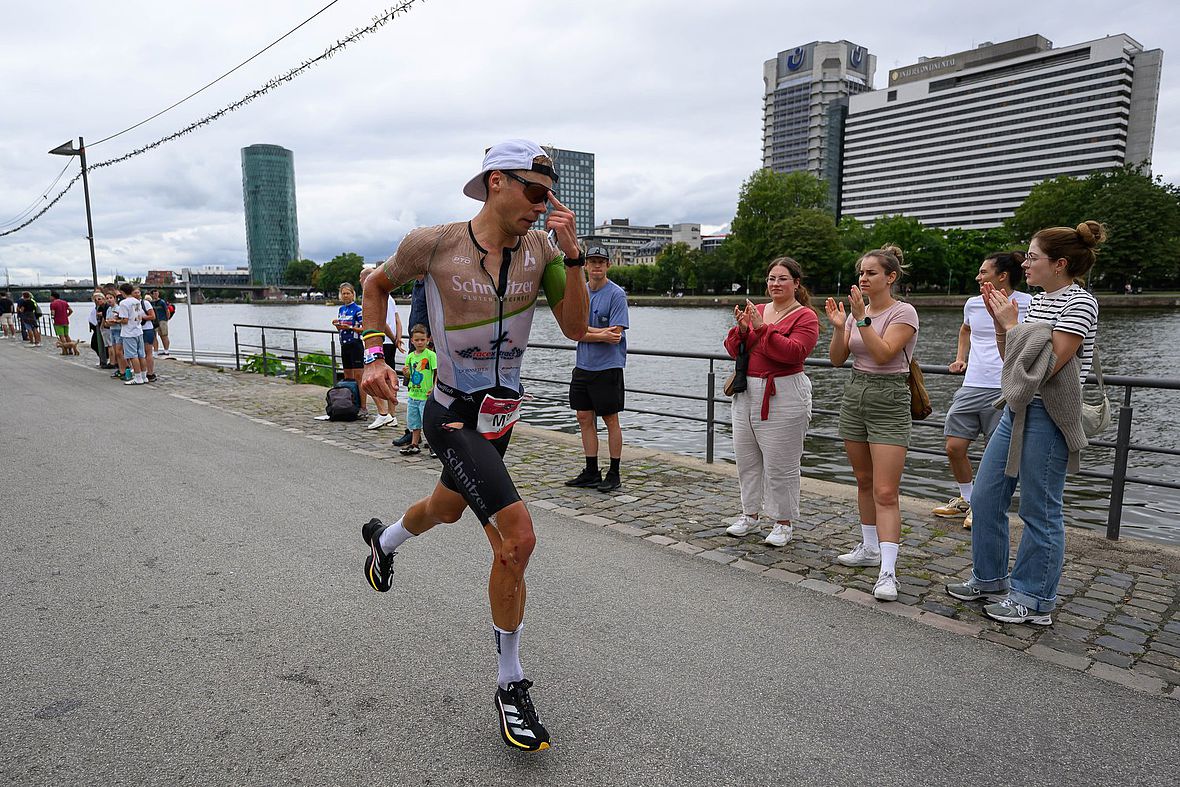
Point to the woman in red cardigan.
(770, 417)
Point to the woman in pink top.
(875, 411)
(770, 417)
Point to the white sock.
(868, 534)
(141, 377)
(508, 646)
(965, 491)
(888, 558)
(394, 536)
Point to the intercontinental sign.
(926, 69)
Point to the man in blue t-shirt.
(596, 390)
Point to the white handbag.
(1096, 417)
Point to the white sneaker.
(779, 536)
(744, 526)
(382, 420)
(861, 556)
(886, 587)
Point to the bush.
(270, 363)
(316, 369)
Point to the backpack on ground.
(343, 401)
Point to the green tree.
(299, 272)
(342, 268)
(923, 248)
(965, 250)
(1060, 202)
(811, 238)
(766, 199)
(676, 267)
(1142, 218)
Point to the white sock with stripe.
(508, 647)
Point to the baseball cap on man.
(511, 154)
(597, 251)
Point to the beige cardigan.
(1028, 370)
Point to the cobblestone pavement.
(1118, 618)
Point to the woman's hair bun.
(895, 250)
(1091, 233)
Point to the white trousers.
(769, 452)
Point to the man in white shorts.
(972, 412)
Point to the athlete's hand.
(380, 381)
(561, 221)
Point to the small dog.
(68, 346)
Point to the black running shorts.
(352, 355)
(473, 466)
(602, 391)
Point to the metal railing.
(1119, 477)
(278, 353)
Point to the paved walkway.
(1119, 616)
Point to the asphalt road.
(184, 604)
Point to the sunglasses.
(536, 193)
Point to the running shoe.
(378, 565)
(518, 718)
(886, 587)
(410, 450)
(965, 591)
(967, 521)
(1008, 611)
(610, 482)
(586, 479)
(779, 535)
(744, 526)
(405, 439)
(381, 420)
(861, 556)
(955, 508)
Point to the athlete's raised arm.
(570, 300)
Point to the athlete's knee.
(517, 539)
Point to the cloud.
(667, 95)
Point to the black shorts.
(602, 392)
(352, 355)
(473, 466)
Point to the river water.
(1132, 342)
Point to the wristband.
(576, 262)
(371, 332)
(373, 353)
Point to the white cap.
(511, 154)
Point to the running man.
(972, 412)
(482, 279)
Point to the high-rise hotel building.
(804, 103)
(959, 141)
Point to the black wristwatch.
(865, 322)
(576, 262)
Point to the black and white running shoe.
(518, 718)
(378, 565)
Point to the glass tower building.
(272, 229)
(575, 187)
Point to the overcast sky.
(667, 95)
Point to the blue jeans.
(1039, 559)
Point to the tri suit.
(480, 317)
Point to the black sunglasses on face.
(536, 193)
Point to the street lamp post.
(68, 149)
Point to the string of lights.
(378, 21)
(215, 81)
(33, 205)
